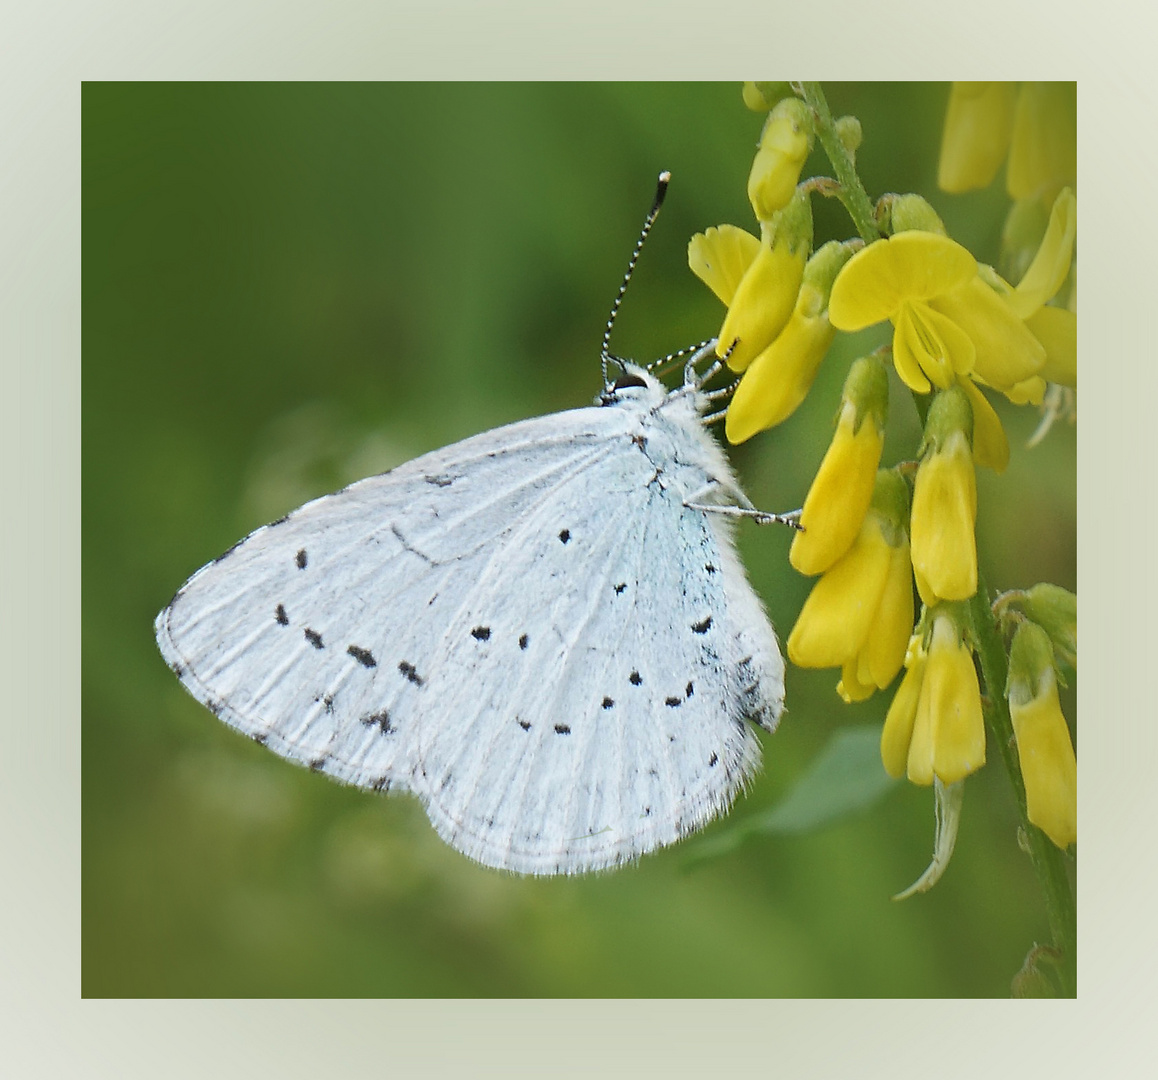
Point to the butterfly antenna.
(652, 214)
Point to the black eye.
(628, 379)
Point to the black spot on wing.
(439, 481)
(259, 737)
(301, 559)
(710, 568)
(314, 638)
(607, 703)
(364, 656)
(280, 615)
(562, 729)
(565, 535)
(410, 672)
(673, 702)
(688, 690)
(713, 760)
(177, 669)
(380, 720)
(620, 587)
(635, 678)
(381, 784)
(524, 725)
(317, 764)
(481, 633)
(524, 641)
(702, 627)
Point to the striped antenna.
(652, 214)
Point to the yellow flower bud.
(767, 293)
(945, 504)
(784, 145)
(1055, 610)
(761, 96)
(1044, 747)
(779, 378)
(860, 613)
(948, 729)
(843, 487)
(975, 139)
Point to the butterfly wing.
(498, 627)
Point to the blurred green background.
(287, 287)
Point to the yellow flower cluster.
(960, 331)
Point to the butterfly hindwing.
(619, 726)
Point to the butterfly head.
(633, 384)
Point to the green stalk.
(1048, 861)
(851, 191)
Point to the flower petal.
(720, 256)
(884, 651)
(927, 340)
(1007, 353)
(1051, 264)
(913, 265)
(1057, 330)
(897, 733)
(762, 304)
(990, 444)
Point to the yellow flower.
(778, 380)
(843, 487)
(948, 733)
(975, 139)
(763, 296)
(1043, 155)
(945, 503)
(946, 321)
(1036, 124)
(860, 613)
(785, 142)
(1044, 747)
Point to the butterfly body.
(530, 630)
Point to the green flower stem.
(851, 191)
(1048, 861)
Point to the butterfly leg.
(761, 517)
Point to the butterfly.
(543, 632)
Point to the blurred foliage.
(287, 287)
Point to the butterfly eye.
(626, 380)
